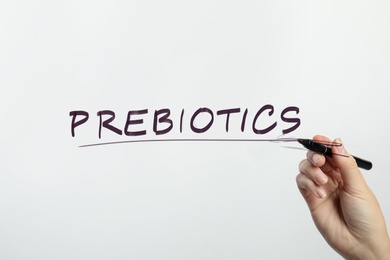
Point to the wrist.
(378, 252)
(386, 251)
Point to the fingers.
(315, 158)
(311, 168)
(316, 172)
(317, 169)
(311, 178)
(307, 186)
(351, 175)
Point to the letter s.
(297, 121)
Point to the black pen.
(325, 150)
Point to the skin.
(343, 207)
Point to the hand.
(343, 207)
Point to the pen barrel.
(325, 150)
(361, 163)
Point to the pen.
(325, 150)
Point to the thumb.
(352, 177)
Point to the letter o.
(207, 127)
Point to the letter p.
(75, 123)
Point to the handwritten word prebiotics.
(163, 122)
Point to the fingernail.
(321, 178)
(340, 146)
(316, 158)
(321, 193)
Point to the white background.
(196, 200)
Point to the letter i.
(181, 120)
(244, 120)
